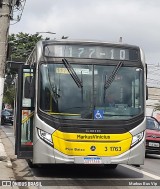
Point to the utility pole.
(5, 7)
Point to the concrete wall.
(153, 100)
(153, 97)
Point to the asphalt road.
(80, 176)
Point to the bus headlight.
(137, 138)
(46, 137)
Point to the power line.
(17, 10)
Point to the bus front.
(90, 104)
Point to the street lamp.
(45, 32)
(64, 37)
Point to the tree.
(20, 46)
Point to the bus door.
(24, 112)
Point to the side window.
(151, 124)
(6, 113)
(156, 125)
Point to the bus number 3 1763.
(113, 148)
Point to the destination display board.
(90, 51)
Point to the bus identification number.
(113, 148)
(90, 51)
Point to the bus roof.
(91, 42)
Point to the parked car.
(7, 116)
(152, 136)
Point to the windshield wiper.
(72, 73)
(112, 76)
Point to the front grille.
(154, 147)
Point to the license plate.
(92, 160)
(153, 144)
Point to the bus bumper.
(45, 154)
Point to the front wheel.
(2, 121)
(111, 166)
(31, 164)
(146, 155)
(137, 165)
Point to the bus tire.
(2, 121)
(136, 165)
(31, 164)
(111, 166)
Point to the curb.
(9, 164)
(3, 155)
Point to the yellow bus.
(81, 102)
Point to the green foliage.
(9, 94)
(20, 46)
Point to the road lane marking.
(9, 133)
(141, 171)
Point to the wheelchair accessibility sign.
(98, 114)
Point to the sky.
(136, 21)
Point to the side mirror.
(146, 92)
(29, 87)
(146, 71)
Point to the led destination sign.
(98, 52)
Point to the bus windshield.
(61, 97)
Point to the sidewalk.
(11, 168)
(6, 169)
